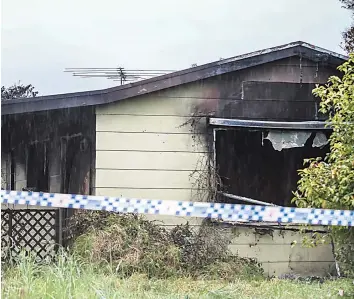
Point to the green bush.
(329, 183)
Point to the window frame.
(222, 124)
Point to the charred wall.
(39, 148)
(279, 91)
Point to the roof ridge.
(113, 94)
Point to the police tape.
(222, 211)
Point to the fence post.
(58, 228)
(10, 230)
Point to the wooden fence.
(33, 230)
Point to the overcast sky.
(41, 38)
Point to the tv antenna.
(116, 74)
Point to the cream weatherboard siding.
(278, 254)
(144, 149)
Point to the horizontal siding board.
(313, 268)
(172, 221)
(153, 105)
(148, 142)
(149, 160)
(143, 179)
(280, 237)
(186, 194)
(274, 253)
(278, 90)
(164, 194)
(279, 110)
(143, 123)
(243, 236)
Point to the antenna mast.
(119, 74)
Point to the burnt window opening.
(77, 167)
(261, 166)
(37, 168)
(76, 171)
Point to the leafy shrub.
(329, 183)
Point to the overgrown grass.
(69, 277)
(129, 244)
(126, 256)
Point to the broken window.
(37, 167)
(263, 164)
(77, 169)
(76, 172)
(8, 170)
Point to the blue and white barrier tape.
(226, 212)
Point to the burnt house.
(227, 131)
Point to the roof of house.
(109, 95)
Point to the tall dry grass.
(130, 244)
(70, 277)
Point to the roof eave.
(106, 96)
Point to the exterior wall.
(20, 169)
(146, 149)
(21, 174)
(158, 146)
(55, 129)
(276, 254)
(20, 178)
(151, 146)
(4, 171)
(55, 167)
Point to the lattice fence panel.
(5, 240)
(30, 230)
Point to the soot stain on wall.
(36, 142)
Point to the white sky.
(40, 38)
